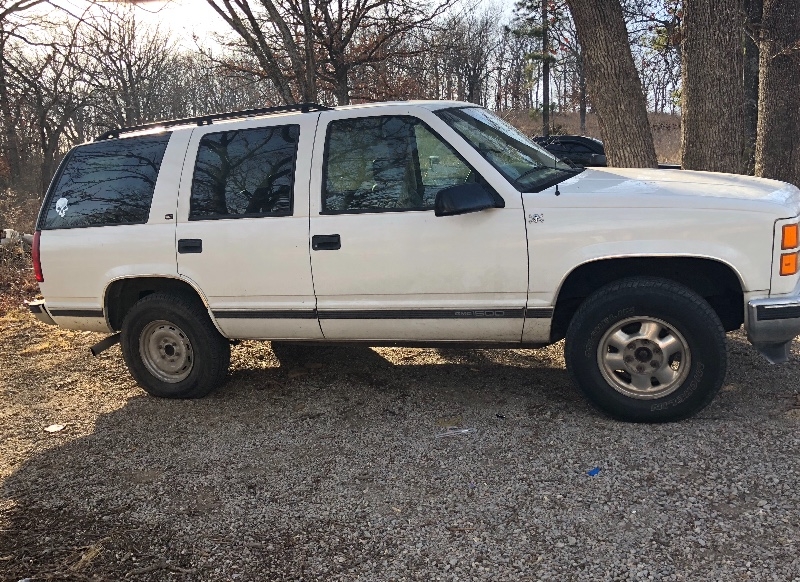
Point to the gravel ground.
(323, 464)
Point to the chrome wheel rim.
(166, 351)
(644, 358)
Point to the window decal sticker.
(62, 205)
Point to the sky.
(182, 17)
(187, 17)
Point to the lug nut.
(656, 350)
(632, 346)
(628, 359)
(654, 363)
(640, 369)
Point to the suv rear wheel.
(172, 348)
(647, 350)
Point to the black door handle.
(190, 245)
(326, 242)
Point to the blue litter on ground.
(593, 472)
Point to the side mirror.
(597, 160)
(465, 198)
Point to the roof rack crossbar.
(201, 120)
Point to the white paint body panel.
(613, 213)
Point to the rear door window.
(245, 172)
(105, 183)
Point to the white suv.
(419, 224)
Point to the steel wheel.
(166, 352)
(644, 358)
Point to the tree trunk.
(545, 72)
(310, 58)
(778, 144)
(713, 131)
(582, 86)
(753, 9)
(613, 83)
(341, 88)
(9, 129)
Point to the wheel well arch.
(715, 281)
(122, 294)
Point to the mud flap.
(774, 353)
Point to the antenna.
(555, 167)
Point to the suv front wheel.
(172, 348)
(647, 350)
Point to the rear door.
(243, 225)
(385, 267)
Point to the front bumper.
(772, 323)
(40, 311)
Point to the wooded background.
(729, 68)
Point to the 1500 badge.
(480, 313)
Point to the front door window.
(387, 163)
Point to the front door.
(384, 266)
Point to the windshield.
(529, 167)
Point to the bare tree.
(614, 83)
(534, 18)
(130, 68)
(753, 10)
(11, 27)
(297, 43)
(778, 145)
(50, 80)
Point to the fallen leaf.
(54, 428)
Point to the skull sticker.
(62, 205)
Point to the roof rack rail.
(209, 119)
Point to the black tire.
(647, 318)
(172, 348)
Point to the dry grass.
(17, 282)
(666, 129)
(18, 210)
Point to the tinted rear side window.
(106, 183)
(245, 172)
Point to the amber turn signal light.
(789, 238)
(789, 263)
